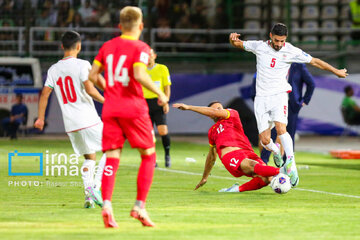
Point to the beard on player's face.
(277, 42)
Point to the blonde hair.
(130, 17)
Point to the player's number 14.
(121, 74)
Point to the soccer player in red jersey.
(227, 139)
(125, 112)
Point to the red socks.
(253, 184)
(265, 171)
(145, 176)
(108, 178)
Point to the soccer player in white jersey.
(69, 79)
(273, 60)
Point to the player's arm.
(45, 93)
(167, 92)
(235, 41)
(210, 161)
(93, 92)
(316, 62)
(95, 75)
(207, 111)
(144, 79)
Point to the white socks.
(99, 172)
(287, 143)
(272, 147)
(87, 176)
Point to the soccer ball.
(280, 183)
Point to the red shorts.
(232, 161)
(139, 132)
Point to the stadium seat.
(305, 2)
(329, 25)
(310, 13)
(345, 12)
(314, 25)
(310, 42)
(252, 24)
(294, 12)
(345, 1)
(275, 13)
(294, 24)
(329, 2)
(329, 43)
(251, 37)
(295, 2)
(345, 24)
(329, 12)
(249, 2)
(252, 12)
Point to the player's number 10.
(121, 74)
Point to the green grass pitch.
(55, 210)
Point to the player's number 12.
(121, 74)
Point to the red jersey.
(228, 132)
(124, 96)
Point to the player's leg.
(252, 168)
(87, 171)
(165, 138)
(144, 181)
(265, 154)
(264, 124)
(140, 134)
(112, 142)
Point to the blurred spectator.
(180, 10)
(162, 8)
(18, 116)
(355, 18)
(164, 32)
(103, 15)
(65, 14)
(351, 110)
(77, 21)
(184, 23)
(44, 21)
(87, 12)
(7, 9)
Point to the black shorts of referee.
(156, 112)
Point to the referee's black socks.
(166, 143)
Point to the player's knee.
(147, 151)
(162, 129)
(280, 129)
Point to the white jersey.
(66, 77)
(272, 67)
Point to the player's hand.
(181, 106)
(200, 184)
(162, 99)
(166, 108)
(39, 124)
(234, 38)
(342, 73)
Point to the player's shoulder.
(141, 44)
(291, 48)
(82, 61)
(161, 66)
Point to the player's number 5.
(273, 61)
(121, 74)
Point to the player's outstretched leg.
(145, 176)
(254, 184)
(108, 182)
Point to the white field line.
(242, 180)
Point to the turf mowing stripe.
(229, 178)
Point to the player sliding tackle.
(227, 139)
(273, 60)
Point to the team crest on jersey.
(284, 55)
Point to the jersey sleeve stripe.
(227, 117)
(139, 64)
(97, 63)
(211, 145)
(49, 86)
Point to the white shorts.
(271, 109)
(87, 140)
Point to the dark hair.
(213, 102)
(19, 95)
(279, 29)
(347, 89)
(69, 40)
